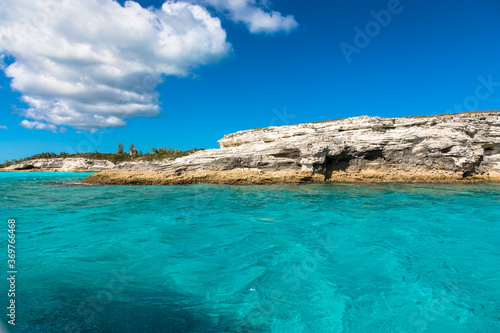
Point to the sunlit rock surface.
(61, 164)
(447, 148)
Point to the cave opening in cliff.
(373, 155)
(338, 162)
(27, 167)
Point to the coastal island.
(461, 147)
(449, 148)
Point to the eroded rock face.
(62, 164)
(448, 147)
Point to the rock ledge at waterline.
(461, 147)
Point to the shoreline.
(259, 178)
(52, 170)
(240, 177)
(456, 148)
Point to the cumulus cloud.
(94, 63)
(255, 15)
(4, 127)
(38, 125)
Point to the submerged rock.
(447, 148)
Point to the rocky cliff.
(61, 164)
(448, 148)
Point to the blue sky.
(430, 58)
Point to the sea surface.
(203, 258)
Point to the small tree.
(120, 148)
(7, 163)
(132, 150)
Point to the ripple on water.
(202, 258)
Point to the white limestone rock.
(467, 143)
(62, 164)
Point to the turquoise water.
(325, 258)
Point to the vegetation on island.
(119, 156)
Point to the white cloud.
(2, 61)
(255, 15)
(38, 125)
(94, 63)
(4, 127)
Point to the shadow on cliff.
(342, 161)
